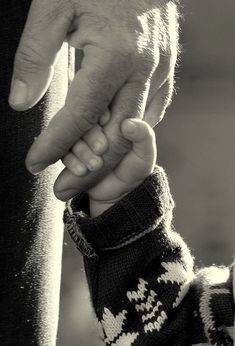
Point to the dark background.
(196, 146)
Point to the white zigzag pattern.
(113, 328)
(156, 325)
(140, 293)
(112, 324)
(126, 339)
(152, 314)
(176, 273)
(147, 303)
(147, 306)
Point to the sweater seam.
(133, 237)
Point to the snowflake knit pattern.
(144, 287)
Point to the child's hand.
(131, 171)
(87, 153)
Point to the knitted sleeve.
(141, 275)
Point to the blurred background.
(196, 146)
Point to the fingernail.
(131, 126)
(37, 168)
(98, 146)
(93, 164)
(19, 92)
(80, 170)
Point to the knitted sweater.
(143, 284)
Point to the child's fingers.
(142, 136)
(96, 140)
(140, 160)
(83, 152)
(74, 164)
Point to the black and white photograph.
(117, 151)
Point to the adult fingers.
(67, 185)
(128, 102)
(42, 38)
(161, 90)
(90, 93)
(158, 103)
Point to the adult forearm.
(30, 241)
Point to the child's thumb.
(142, 136)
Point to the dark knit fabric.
(141, 275)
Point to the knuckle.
(88, 137)
(84, 118)
(67, 159)
(90, 142)
(93, 135)
(91, 118)
(79, 148)
(127, 109)
(28, 59)
(60, 11)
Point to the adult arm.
(31, 233)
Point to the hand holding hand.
(130, 50)
(135, 166)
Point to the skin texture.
(135, 166)
(129, 56)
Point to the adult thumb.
(45, 30)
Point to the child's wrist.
(98, 207)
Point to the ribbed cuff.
(137, 214)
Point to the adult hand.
(130, 51)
